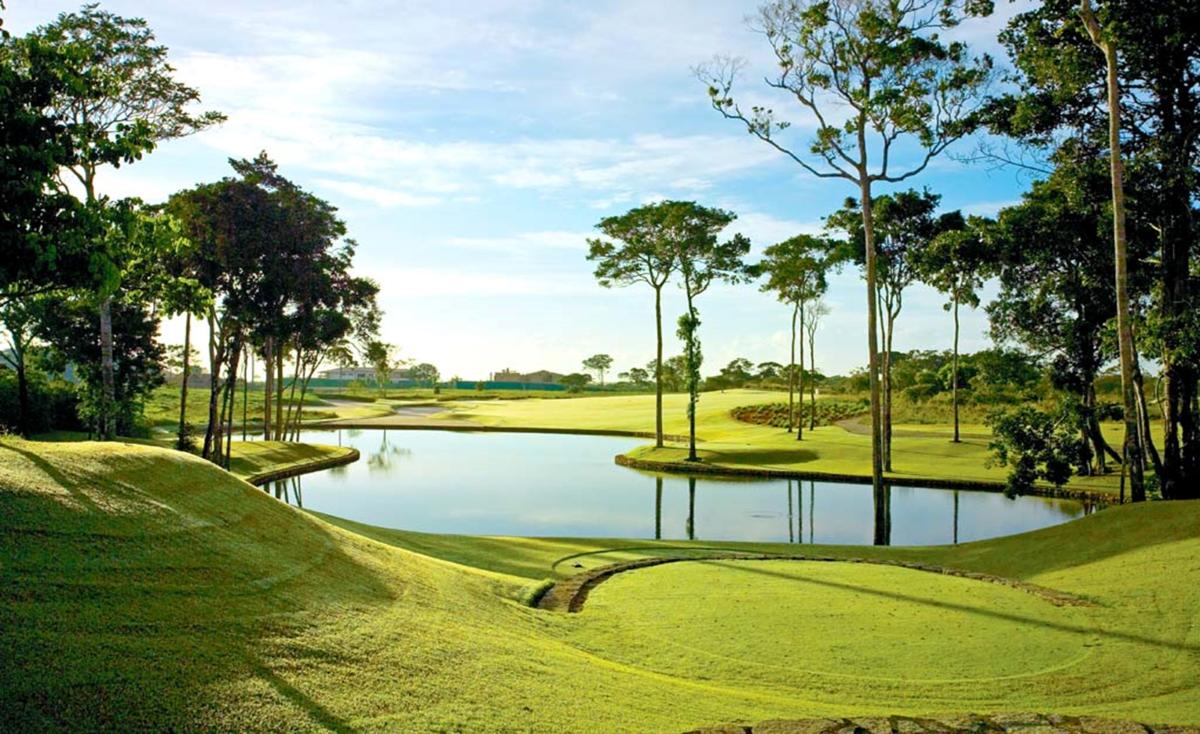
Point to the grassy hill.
(145, 589)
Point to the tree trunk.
(268, 386)
(182, 442)
(1132, 449)
(245, 393)
(792, 371)
(886, 376)
(872, 333)
(107, 379)
(216, 359)
(954, 388)
(658, 370)
(800, 378)
(1144, 417)
(23, 418)
(279, 392)
(812, 371)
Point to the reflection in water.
(691, 518)
(883, 514)
(561, 485)
(658, 508)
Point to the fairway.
(798, 624)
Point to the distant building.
(364, 374)
(540, 377)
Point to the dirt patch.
(571, 594)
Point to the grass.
(918, 451)
(250, 460)
(145, 589)
(162, 408)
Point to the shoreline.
(258, 479)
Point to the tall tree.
(1064, 88)
(1132, 456)
(877, 78)
(817, 310)
(904, 225)
(702, 259)
(954, 264)
(599, 363)
(123, 101)
(795, 272)
(636, 248)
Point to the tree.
(1036, 444)
(735, 374)
(1056, 297)
(576, 381)
(382, 358)
(954, 263)
(600, 363)
(817, 310)
(124, 100)
(1067, 89)
(1132, 455)
(881, 64)
(904, 225)
(636, 249)
(425, 372)
(636, 375)
(702, 259)
(796, 270)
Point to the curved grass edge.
(570, 594)
(698, 468)
(344, 455)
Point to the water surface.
(563, 485)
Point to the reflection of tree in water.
(658, 484)
(883, 515)
(691, 518)
(385, 457)
(288, 490)
(791, 530)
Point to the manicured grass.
(162, 409)
(253, 459)
(729, 442)
(145, 589)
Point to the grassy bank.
(144, 589)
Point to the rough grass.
(144, 589)
(918, 452)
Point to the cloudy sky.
(472, 147)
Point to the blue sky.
(472, 147)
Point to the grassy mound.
(144, 589)
(828, 412)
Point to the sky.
(472, 147)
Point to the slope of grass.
(925, 454)
(144, 589)
(251, 460)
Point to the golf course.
(147, 589)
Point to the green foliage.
(54, 404)
(599, 363)
(1037, 445)
(575, 382)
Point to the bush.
(53, 404)
(1037, 444)
(776, 414)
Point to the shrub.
(1036, 444)
(53, 404)
(776, 414)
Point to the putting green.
(793, 624)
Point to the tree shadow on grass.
(748, 567)
(142, 617)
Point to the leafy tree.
(905, 225)
(636, 248)
(1056, 297)
(382, 358)
(426, 372)
(1064, 92)
(795, 271)
(877, 78)
(768, 371)
(576, 381)
(637, 376)
(1036, 444)
(955, 264)
(599, 363)
(702, 259)
(122, 101)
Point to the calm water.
(562, 485)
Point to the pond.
(564, 485)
